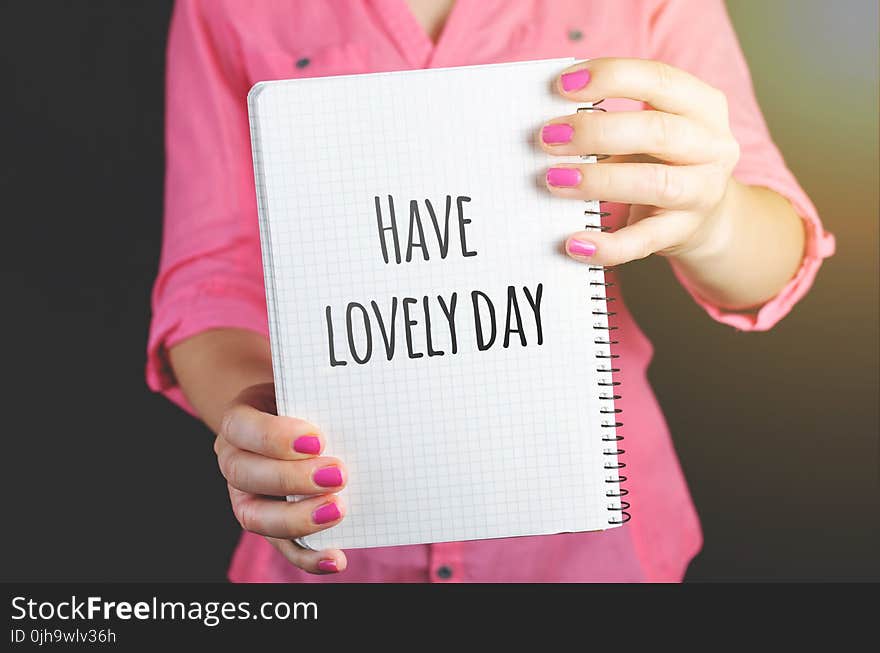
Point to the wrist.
(214, 366)
(715, 236)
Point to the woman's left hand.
(673, 163)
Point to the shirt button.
(302, 63)
(444, 572)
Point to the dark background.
(777, 432)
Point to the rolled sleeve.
(194, 311)
(210, 273)
(697, 36)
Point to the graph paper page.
(461, 391)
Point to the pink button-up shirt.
(210, 274)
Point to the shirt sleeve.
(209, 272)
(697, 36)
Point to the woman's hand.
(263, 458)
(673, 164)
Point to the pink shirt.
(210, 274)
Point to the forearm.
(212, 368)
(752, 249)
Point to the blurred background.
(778, 437)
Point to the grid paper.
(479, 444)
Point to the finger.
(666, 136)
(284, 438)
(328, 561)
(286, 519)
(655, 184)
(633, 242)
(251, 472)
(662, 86)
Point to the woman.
(694, 178)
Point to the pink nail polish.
(328, 477)
(557, 134)
(326, 513)
(328, 565)
(307, 444)
(581, 247)
(576, 80)
(564, 177)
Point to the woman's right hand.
(263, 458)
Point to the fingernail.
(307, 444)
(581, 247)
(328, 477)
(576, 80)
(326, 513)
(327, 565)
(557, 134)
(566, 177)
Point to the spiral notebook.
(422, 311)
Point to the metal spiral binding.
(606, 366)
